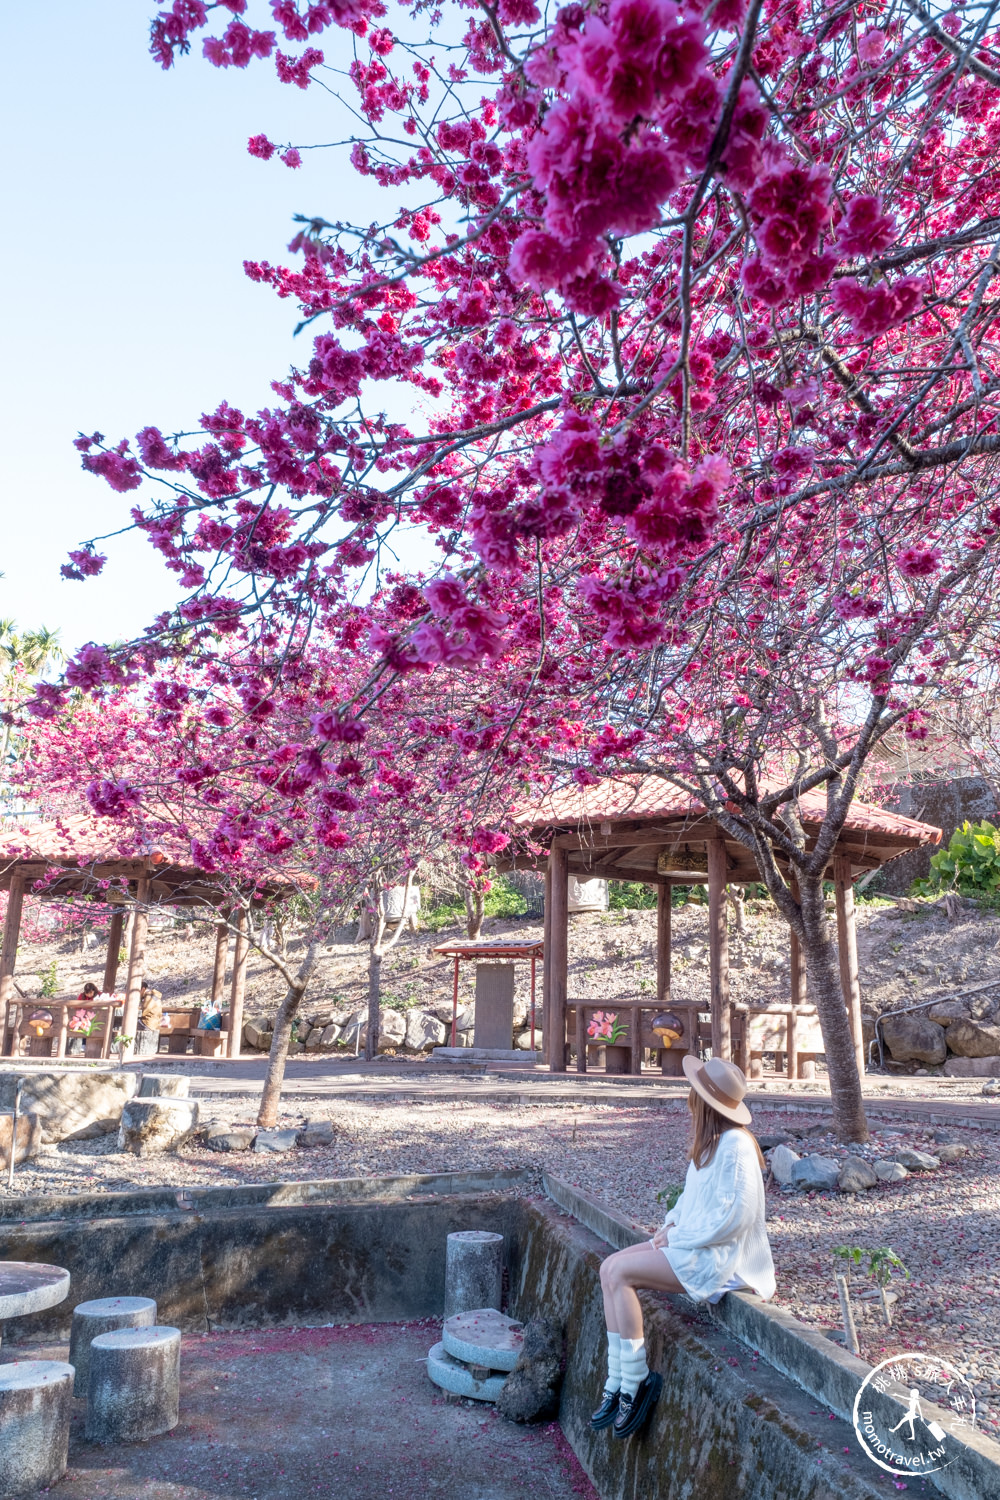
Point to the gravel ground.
(943, 1224)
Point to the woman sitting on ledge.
(712, 1241)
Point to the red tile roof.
(627, 799)
(85, 839)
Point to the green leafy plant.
(50, 982)
(503, 900)
(631, 895)
(969, 865)
(882, 1263)
(669, 1195)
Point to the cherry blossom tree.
(694, 308)
(236, 787)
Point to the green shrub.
(50, 982)
(504, 901)
(443, 914)
(970, 864)
(631, 895)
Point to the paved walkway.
(937, 1100)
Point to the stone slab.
(515, 1057)
(26, 1287)
(483, 1337)
(231, 1140)
(451, 1375)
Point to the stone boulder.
(257, 1035)
(72, 1105)
(914, 1039)
(856, 1175)
(531, 1391)
(952, 1151)
(317, 1133)
(391, 1029)
(275, 1140)
(523, 1041)
(947, 1011)
(818, 1174)
(974, 1039)
(29, 1138)
(972, 1067)
(423, 1031)
(231, 1140)
(890, 1171)
(991, 1087)
(917, 1161)
(783, 1159)
(150, 1127)
(164, 1086)
(332, 1033)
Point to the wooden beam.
(114, 949)
(718, 948)
(239, 984)
(136, 963)
(847, 946)
(663, 915)
(559, 962)
(8, 958)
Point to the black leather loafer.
(633, 1411)
(606, 1412)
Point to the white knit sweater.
(717, 1235)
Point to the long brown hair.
(708, 1128)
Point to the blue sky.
(130, 203)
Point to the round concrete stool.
(473, 1271)
(134, 1384)
(104, 1315)
(36, 1398)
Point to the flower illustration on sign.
(606, 1027)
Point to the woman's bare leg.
(623, 1274)
(609, 1272)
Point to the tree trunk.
(475, 905)
(737, 895)
(270, 1099)
(823, 974)
(374, 994)
(267, 1115)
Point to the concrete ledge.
(260, 1195)
(828, 1373)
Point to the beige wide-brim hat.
(721, 1084)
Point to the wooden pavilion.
(639, 828)
(82, 857)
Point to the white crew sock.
(634, 1366)
(614, 1380)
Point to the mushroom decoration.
(668, 1026)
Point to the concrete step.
(485, 1338)
(510, 1057)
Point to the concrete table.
(27, 1287)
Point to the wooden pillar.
(114, 948)
(239, 984)
(547, 960)
(663, 914)
(559, 962)
(847, 946)
(718, 947)
(136, 963)
(8, 961)
(219, 967)
(581, 1037)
